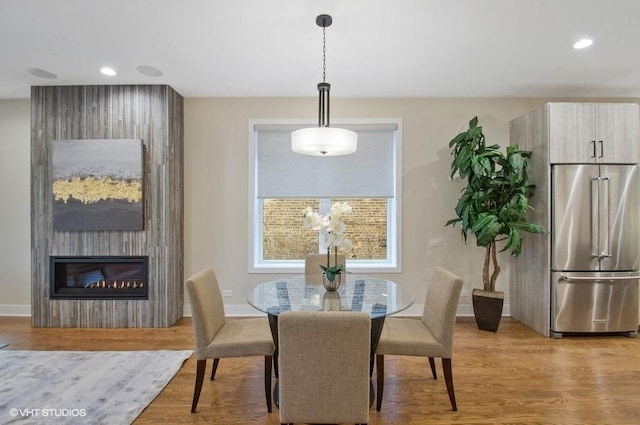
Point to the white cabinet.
(594, 132)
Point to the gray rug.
(82, 387)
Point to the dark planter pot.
(487, 310)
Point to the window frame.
(393, 262)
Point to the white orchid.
(312, 220)
(338, 209)
(347, 245)
(335, 227)
(332, 231)
(331, 239)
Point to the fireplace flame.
(115, 285)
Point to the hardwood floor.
(514, 376)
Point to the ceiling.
(375, 48)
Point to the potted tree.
(493, 207)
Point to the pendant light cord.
(324, 54)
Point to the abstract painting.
(97, 184)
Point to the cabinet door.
(571, 133)
(618, 133)
(582, 133)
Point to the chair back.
(207, 308)
(324, 366)
(441, 305)
(312, 263)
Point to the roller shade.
(367, 173)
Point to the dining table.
(359, 293)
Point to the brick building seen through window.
(285, 238)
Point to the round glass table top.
(378, 297)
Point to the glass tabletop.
(378, 297)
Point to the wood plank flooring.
(514, 376)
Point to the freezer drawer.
(588, 303)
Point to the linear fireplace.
(102, 277)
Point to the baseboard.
(244, 310)
(15, 310)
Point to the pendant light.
(324, 140)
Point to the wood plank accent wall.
(529, 286)
(155, 114)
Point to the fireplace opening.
(104, 277)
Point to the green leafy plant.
(332, 271)
(494, 204)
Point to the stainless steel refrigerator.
(595, 248)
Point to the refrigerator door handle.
(600, 213)
(605, 206)
(592, 278)
(594, 217)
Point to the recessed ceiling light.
(108, 71)
(581, 44)
(149, 71)
(42, 73)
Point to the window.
(283, 184)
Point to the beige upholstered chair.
(217, 338)
(312, 262)
(431, 337)
(324, 366)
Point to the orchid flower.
(332, 231)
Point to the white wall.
(216, 200)
(15, 221)
(216, 205)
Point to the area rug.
(82, 387)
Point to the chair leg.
(201, 366)
(432, 363)
(273, 325)
(268, 361)
(215, 367)
(379, 380)
(275, 365)
(448, 379)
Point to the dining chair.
(216, 337)
(431, 336)
(324, 366)
(312, 263)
